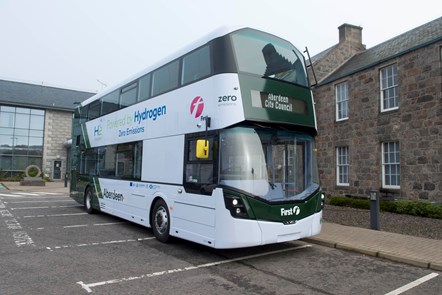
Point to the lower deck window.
(121, 161)
(199, 171)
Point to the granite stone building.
(379, 113)
(35, 127)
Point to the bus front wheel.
(88, 201)
(160, 221)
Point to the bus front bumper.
(238, 233)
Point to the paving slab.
(412, 250)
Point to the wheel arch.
(94, 201)
(158, 196)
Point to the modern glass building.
(21, 137)
(35, 128)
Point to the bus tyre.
(160, 221)
(88, 201)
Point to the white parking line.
(46, 207)
(54, 215)
(99, 243)
(7, 195)
(96, 224)
(51, 201)
(88, 287)
(411, 285)
(76, 226)
(27, 194)
(27, 208)
(110, 223)
(86, 225)
(39, 197)
(34, 196)
(21, 238)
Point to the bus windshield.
(272, 164)
(268, 56)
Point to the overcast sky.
(80, 44)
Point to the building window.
(342, 165)
(341, 101)
(21, 139)
(389, 88)
(391, 170)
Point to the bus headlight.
(322, 200)
(236, 206)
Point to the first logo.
(197, 106)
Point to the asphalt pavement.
(421, 252)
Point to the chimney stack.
(350, 33)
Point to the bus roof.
(219, 32)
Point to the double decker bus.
(214, 145)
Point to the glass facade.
(21, 138)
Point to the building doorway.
(56, 169)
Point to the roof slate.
(421, 36)
(39, 96)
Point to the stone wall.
(417, 125)
(58, 126)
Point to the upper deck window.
(128, 95)
(94, 110)
(196, 65)
(110, 103)
(144, 88)
(268, 56)
(165, 78)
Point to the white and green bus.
(214, 145)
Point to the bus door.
(194, 210)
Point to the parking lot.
(50, 245)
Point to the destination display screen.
(278, 102)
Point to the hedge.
(416, 208)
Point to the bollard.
(374, 210)
(66, 179)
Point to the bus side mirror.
(202, 149)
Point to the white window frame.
(388, 81)
(341, 94)
(342, 166)
(391, 164)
